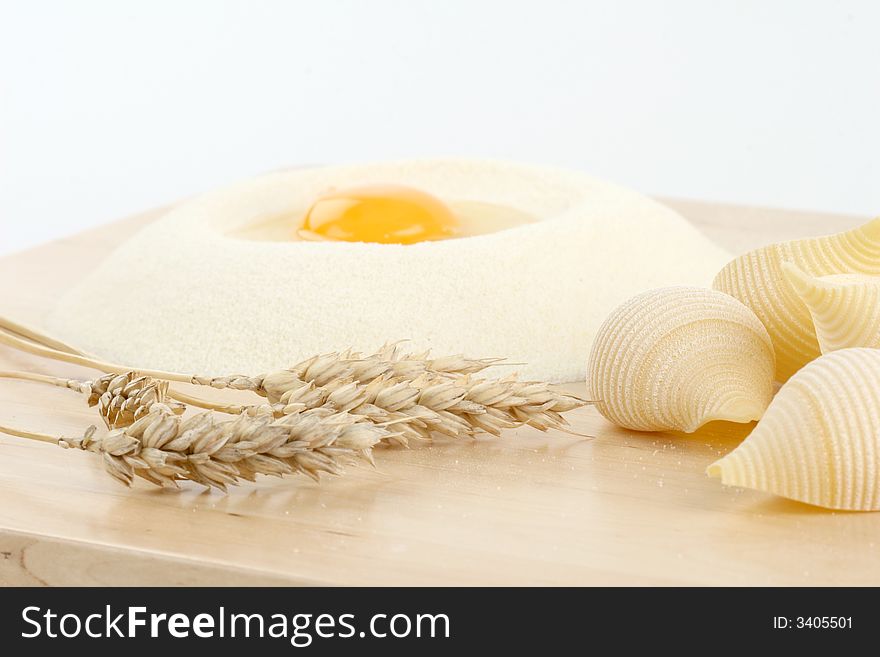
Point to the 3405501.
(813, 622)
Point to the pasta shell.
(819, 441)
(845, 307)
(676, 358)
(757, 279)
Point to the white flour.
(185, 294)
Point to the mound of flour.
(187, 294)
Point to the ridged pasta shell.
(757, 279)
(819, 441)
(845, 307)
(676, 358)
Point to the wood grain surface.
(530, 508)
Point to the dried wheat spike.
(457, 407)
(419, 395)
(324, 369)
(122, 399)
(391, 360)
(164, 448)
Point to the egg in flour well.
(385, 214)
(457, 256)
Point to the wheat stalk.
(164, 449)
(71, 384)
(32, 334)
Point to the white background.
(108, 108)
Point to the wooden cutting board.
(531, 508)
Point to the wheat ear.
(164, 449)
(458, 406)
(123, 399)
(328, 368)
(318, 369)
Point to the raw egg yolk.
(387, 214)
